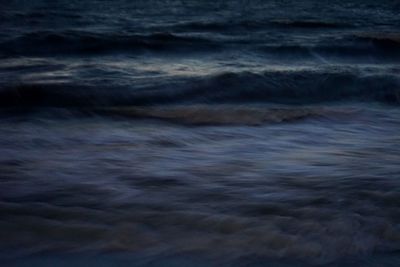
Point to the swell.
(281, 87)
(221, 114)
(384, 40)
(308, 24)
(369, 45)
(340, 52)
(50, 42)
(237, 25)
(356, 46)
(191, 115)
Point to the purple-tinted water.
(199, 133)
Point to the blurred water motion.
(315, 190)
(170, 133)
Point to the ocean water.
(199, 133)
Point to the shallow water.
(171, 133)
(316, 190)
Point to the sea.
(189, 133)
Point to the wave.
(88, 42)
(45, 14)
(210, 26)
(308, 24)
(368, 45)
(281, 87)
(384, 40)
(239, 25)
(296, 87)
(384, 49)
(221, 114)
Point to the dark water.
(200, 133)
